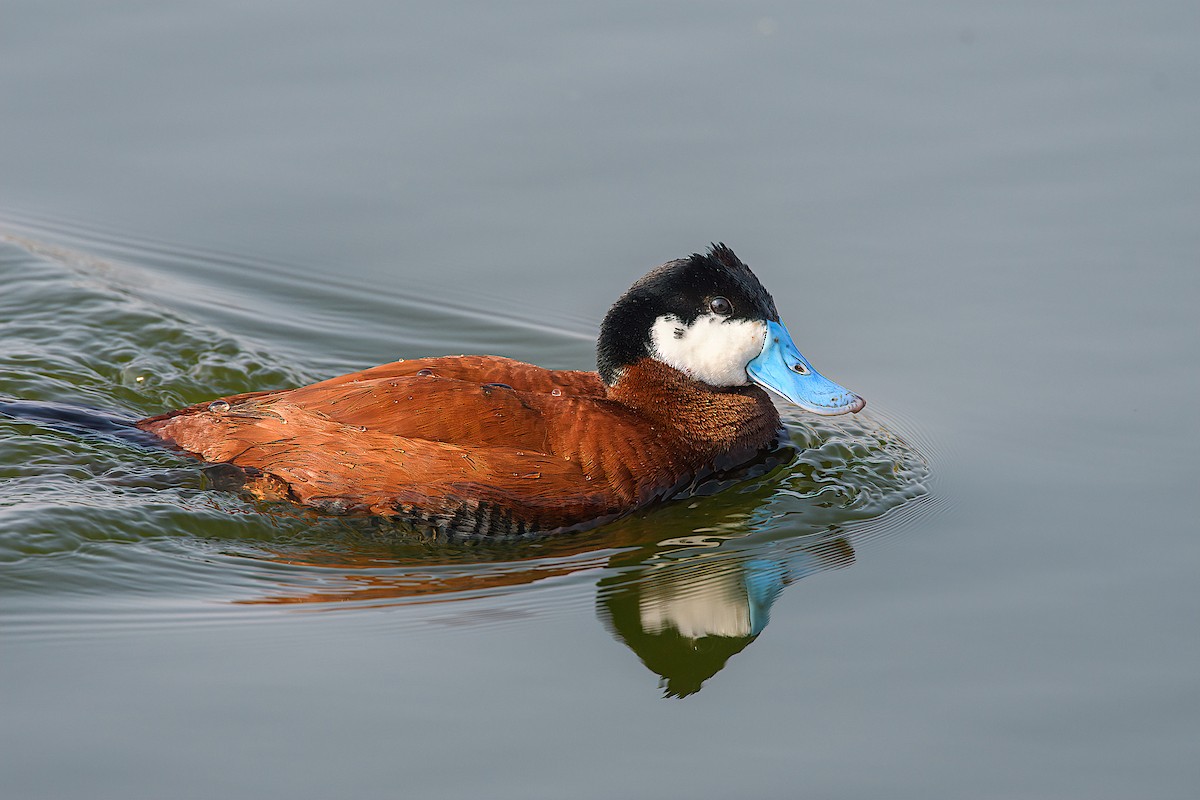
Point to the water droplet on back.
(218, 406)
(556, 392)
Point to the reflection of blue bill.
(764, 578)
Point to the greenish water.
(980, 217)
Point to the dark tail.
(78, 420)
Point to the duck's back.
(474, 369)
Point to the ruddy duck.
(484, 445)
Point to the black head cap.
(683, 288)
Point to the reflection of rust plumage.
(547, 450)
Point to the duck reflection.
(686, 617)
(683, 604)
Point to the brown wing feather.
(480, 370)
(329, 464)
(433, 408)
(450, 399)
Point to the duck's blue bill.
(781, 368)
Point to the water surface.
(982, 218)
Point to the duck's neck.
(721, 420)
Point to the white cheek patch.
(712, 349)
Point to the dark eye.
(721, 306)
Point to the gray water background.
(981, 217)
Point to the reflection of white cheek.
(711, 349)
(696, 606)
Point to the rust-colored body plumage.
(480, 444)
